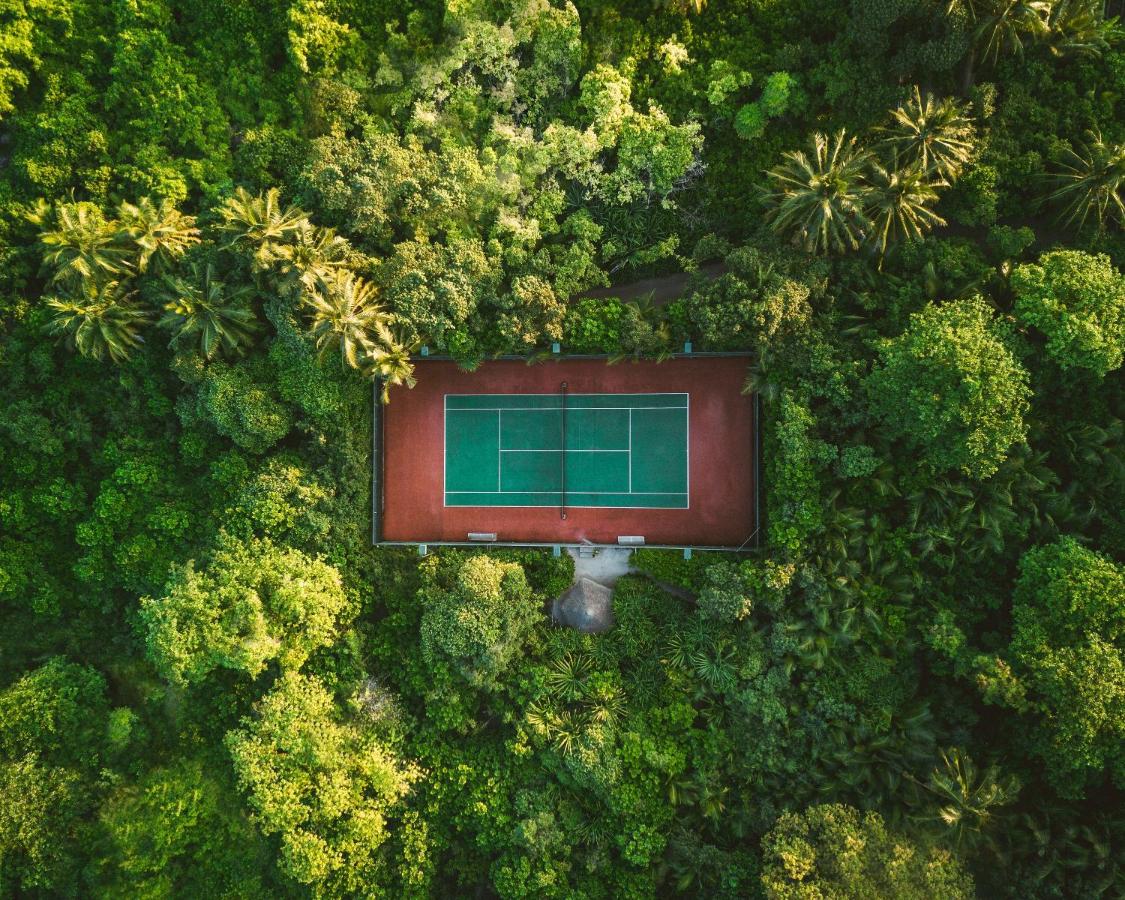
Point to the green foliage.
(730, 592)
(834, 850)
(174, 831)
(1091, 182)
(762, 300)
(57, 713)
(41, 811)
(173, 133)
(239, 406)
(794, 508)
(1068, 616)
(777, 96)
(187, 190)
(817, 200)
(199, 311)
(671, 567)
(251, 603)
(476, 616)
(936, 135)
(593, 325)
(1078, 301)
(286, 755)
(951, 387)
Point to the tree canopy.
(227, 228)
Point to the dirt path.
(663, 289)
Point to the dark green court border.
(752, 544)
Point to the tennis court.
(567, 450)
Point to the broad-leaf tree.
(248, 604)
(1068, 651)
(837, 851)
(951, 387)
(324, 785)
(1077, 300)
(476, 616)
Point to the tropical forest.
(228, 228)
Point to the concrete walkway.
(606, 567)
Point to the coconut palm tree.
(1080, 28)
(389, 361)
(309, 255)
(102, 321)
(934, 134)
(898, 204)
(259, 224)
(1091, 183)
(345, 315)
(80, 245)
(817, 200)
(968, 797)
(1000, 27)
(200, 310)
(162, 234)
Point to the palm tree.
(817, 200)
(259, 223)
(389, 361)
(1081, 28)
(968, 797)
(345, 314)
(310, 254)
(935, 134)
(162, 234)
(1091, 183)
(102, 321)
(80, 245)
(202, 310)
(1002, 25)
(898, 204)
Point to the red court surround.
(721, 425)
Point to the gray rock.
(585, 606)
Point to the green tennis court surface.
(620, 450)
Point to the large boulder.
(585, 606)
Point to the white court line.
(630, 451)
(555, 409)
(499, 410)
(568, 450)
(607, 493)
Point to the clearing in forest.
(570, 451)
